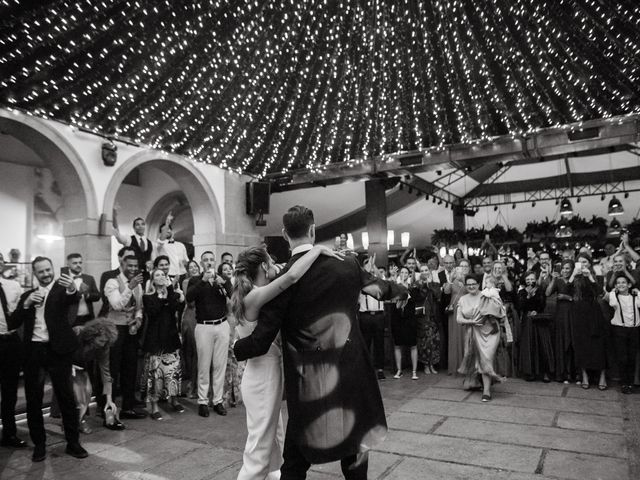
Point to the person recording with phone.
(49, 343)
(124, 294)
(562, 290)
(588, 325)
(211, 333)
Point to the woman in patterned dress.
(427, 320)
(162, 374)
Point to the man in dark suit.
(10, 361)
(334, 402)
(106, 276)
(49, 343)
(82, 312)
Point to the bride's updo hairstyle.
(247, 267)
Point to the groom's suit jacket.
(334, 403)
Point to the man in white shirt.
(140, 244)
(10, 360)
(371, 317)
(49, 343)
(124, 294)
(176, 251)
(487, 267)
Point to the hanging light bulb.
(404, 239)
(365, 240)
(615, 207)
(565, 207)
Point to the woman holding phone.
(562, 336)
(588, 326)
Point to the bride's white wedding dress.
(261, 387)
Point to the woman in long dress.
(588, 325)
(481, 313)
(457, 331)
(262, 380)
(427, 311)
(536, 356)
(562, 336)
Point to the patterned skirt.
(161, 376)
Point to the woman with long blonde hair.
(257, 283)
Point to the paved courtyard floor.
(530, 431)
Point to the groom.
(335, 406)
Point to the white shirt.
(370, 304)
(40, 331)
(305, 247)
(83, 309)
(119, 301)
(435, 278)
(177, 254)
(625, 317)
(126, 239)
(12, 290)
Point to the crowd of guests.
(165, 328)
(163, 332)
(563, 317)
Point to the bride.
(262, 381)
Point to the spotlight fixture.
(440, 202)
(565, 207)
(579, 199)
(513, 206)
(557, 201)
(438, 172)
(426, 197)
(615, 228)
(410, 190)
(626, 194)
(533, 204)
(615, 207)
(495, 208)
(468, 169)
(434, 199)
(563, 230)
(602, 197)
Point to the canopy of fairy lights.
(268, 86)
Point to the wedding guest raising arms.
(588, 326)
(562, 335)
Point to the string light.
(267, 86)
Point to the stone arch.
(177, 203)
(78, 191)
(192, 182)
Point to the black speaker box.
(258, 197)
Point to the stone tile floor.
(530, 431)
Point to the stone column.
(83, 236)
(376, 207)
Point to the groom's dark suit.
(334, 403)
